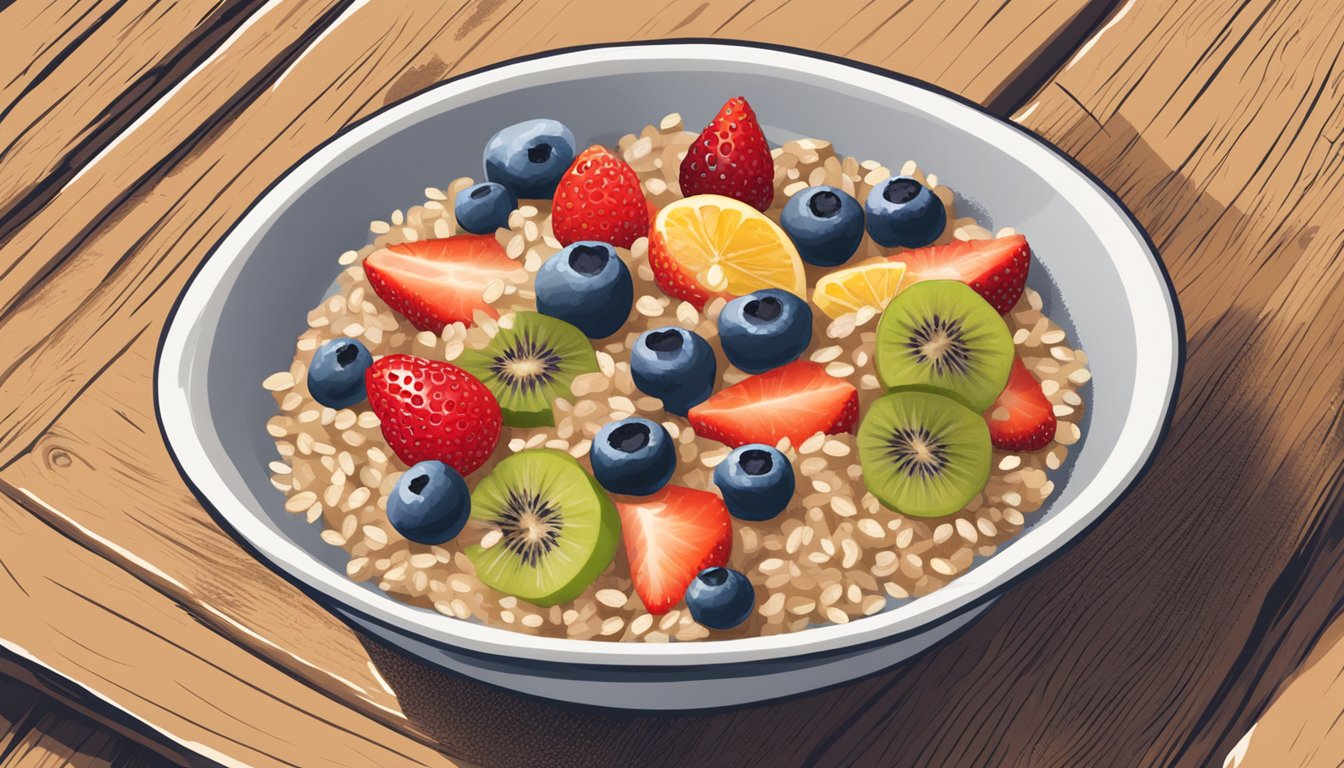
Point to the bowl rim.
(1161, 360)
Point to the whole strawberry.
(730, 158)
(599, 198)
(433, 410)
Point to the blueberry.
(633, 456)
(720, 598)
(336, 373)
(825, 223)
(901, 211)
(430, 503)
(765, 329)
(675, 365)
(588, 286)
(483, 208)
(530, 157)
(756, 482)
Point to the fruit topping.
(433, 283)
(599, 198)
(923, 454)
(433, 410)
(554, 529)
(530, 157)
(941, 335)
(710, 245)
(586, 284)
(731, 157)
(669, 538)
(483, 208)
(633, 456)
(795, 401)
(675, 365)
(867, 285)
(756, 481)
(530, 364)
(430, 503)
(996, 269)
(1021, 419)
(720, 598)
(825, 223)
(765, 329)
(336, 373)
(901, 211)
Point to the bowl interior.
(238, 321)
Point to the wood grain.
(141, 650)
(1157, 640)
(76, 73)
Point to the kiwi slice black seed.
(941, 335)
(924, 454)
(529, 365)
(557, 528)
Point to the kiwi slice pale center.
(531, 525)
(917, 452)
(939, 342)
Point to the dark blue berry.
(825, 223)
(901, 211)
(720, 598)
(633, 456)
(765, 329)
(675, 365)
(588, 286)
(756, 482)
(530, 157)
(482, 208)
(430, 503)
(336, 373)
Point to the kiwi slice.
(923, 454)
(529, 365)
(558, 528)
(940, 335)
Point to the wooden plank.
(154, 661)
(1304, 725)
(18, 710)
(125, 234)
(58, 739)
(70, 82)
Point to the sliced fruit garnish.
(867, 285)
(529, 365)
(433, 283)
(795, 401)
(731, 157)
(669, 538)
(1021, 419)
(996, 269)
(923, 454)
(599, 198)
(554, 530)
(710, 245)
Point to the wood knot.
(59, 458)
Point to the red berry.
(1022, 419)
(996, 269)
(433, 283)
(795, 401)
(730, 157)
(433, 410)
(669, 538)
(599, 198)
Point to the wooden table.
(133, 133)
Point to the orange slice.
(867, 285)
(710, 245)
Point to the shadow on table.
(1139, 645)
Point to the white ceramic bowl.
(237, 321)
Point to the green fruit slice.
(529, 365)
(924, 454)
(558, 527)
(940, 335)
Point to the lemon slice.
(727, 247)
(867, 285)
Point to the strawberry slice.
(669, 538)
(599, 198)
(996, 269)
(1022, 419)
(433, 283)
(730, 157)
(433, 410)
(795, 401)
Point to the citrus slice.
(711, 245)
(867, 285)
